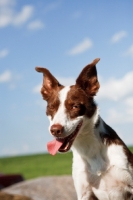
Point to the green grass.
(33, 166)
(131, 149)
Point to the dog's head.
(69, 106)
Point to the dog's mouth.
(63, 144)
(68, 141)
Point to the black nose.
(56, 130)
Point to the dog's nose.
(56, 130)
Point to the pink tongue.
(54, 146)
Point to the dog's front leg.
(81, 179)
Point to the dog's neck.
(89, 145)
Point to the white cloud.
(118, 94)
(10, 78)
(34, 25)
(5, 76)
(7, 2)
(120, 114)
(114, 117)
(4, 53)
(6, 12)
(9, 16)
(116, 89)
(128, 104)
(81, 47)
(129, 101)
(129, 52)
(23, 16)
(118, 36)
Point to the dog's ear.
(50, 83)
(88, 80)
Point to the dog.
(102, 164)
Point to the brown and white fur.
(102, 164)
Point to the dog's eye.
(74, 107)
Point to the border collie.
(102, 163)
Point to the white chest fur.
(100, 170)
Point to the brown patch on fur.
(78, 103)
(53, 103)
(87, 79)
(111, 137)
(50, 83)
(50, 89)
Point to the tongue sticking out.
(64, 144)
(54, 146)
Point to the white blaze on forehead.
(63, 94)
(60, 116)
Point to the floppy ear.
(87, 79)
(50, 83)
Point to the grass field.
(33, 166)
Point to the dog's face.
(67, 107)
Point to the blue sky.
(63, 36)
